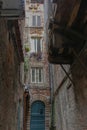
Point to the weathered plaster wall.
(79, 73)
(10, 87)
(71, 100)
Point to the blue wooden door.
(37, 116)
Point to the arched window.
(37, 116)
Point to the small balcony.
(59, 48)
(12, 9)
(67, 32)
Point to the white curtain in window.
(36, 45)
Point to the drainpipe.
(51, 72)
(53, 116)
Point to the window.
(37, 1)
(36, 45)
(36, 21)
(37, 75)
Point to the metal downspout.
(52, 99)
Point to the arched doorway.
(37, 116)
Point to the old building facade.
(11, 64)
(67, 57)
(37, 79)
(11, 83)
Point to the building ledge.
(68, 33)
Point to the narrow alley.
(43, 65)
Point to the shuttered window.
(37, 1)
(36, 21)
(33, 20)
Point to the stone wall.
(70, 100)
(79, 73)
(10, 87)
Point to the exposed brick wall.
(38, 91)
(25, 110)
(41, 95)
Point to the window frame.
(36, 1)
(36, 20)
(34, 44)
(37, 74)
